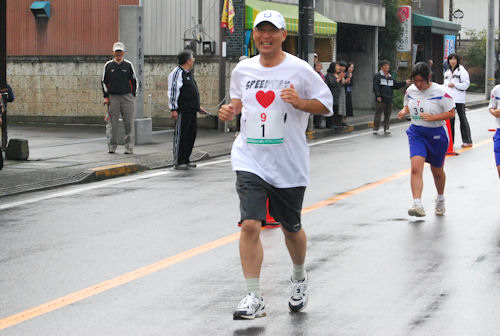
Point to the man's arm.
(376, 88)
(313, 106)
(133, 80)
(229, 111)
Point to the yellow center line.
(162, 264)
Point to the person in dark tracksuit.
(119, 86)
(9, 98)
(383, 88)
(184, 103)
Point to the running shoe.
(299, 297)
(387, 132)
(181, 167)
(417, 211)
(249, 308)
(191, 165)
(440, 208)
(129, 151)
(467, 144)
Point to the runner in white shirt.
(429, 106)
(495, 111)
(275, 92)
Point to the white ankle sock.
(299, 272)
(253, 286)
(418, 202)
(440, 198)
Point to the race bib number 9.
(265, 127)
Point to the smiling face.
(268, 39)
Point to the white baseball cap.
(272, 17)
(118, 46)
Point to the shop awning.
(322, 25)
(437, 25)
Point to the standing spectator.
(456, 82)
(317, 117)
(119, 86)
(270, 155)
(348, 90)
(383, 88)
(429, 106)
(184, 102)
(430, 63)
(10, 98)
(420, 57)
(336, 81)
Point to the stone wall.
(68, 89)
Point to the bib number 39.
(266, 128)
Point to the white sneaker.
(440, 208)
(417, 211)
(299, 297)
(129, 151)
(249, 308)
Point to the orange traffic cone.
(271, 223)
(450, 150)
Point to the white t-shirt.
(272, 142)
(495, 101)
(433, 100)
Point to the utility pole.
(450, 12)
(221, 125)
(490, 51)
(3, 70)
(306, 41)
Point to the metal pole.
(3, 69)
(221, 126)
(450, 12)
(306, 41)
(490, 51)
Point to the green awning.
(322, 25)
(437, 25)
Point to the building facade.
(55, 64)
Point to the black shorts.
(285, 204)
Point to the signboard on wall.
(449, 45)
(404, 42)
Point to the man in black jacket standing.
(184, 103)
(383, 88)
(119, 86)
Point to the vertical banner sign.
(404, 42)
(449, 45)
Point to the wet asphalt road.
(373, 269)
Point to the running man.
(275, 92)
(429, 106)
(495, 111)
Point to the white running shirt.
(272, 142)
(433, 100)
(495, 101)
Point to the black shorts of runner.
(285, 204)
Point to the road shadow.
(252, 331)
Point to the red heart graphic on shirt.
(265, 98)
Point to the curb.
(115, 170)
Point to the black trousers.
(464, 124)
(348, 104)
(184, 136)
